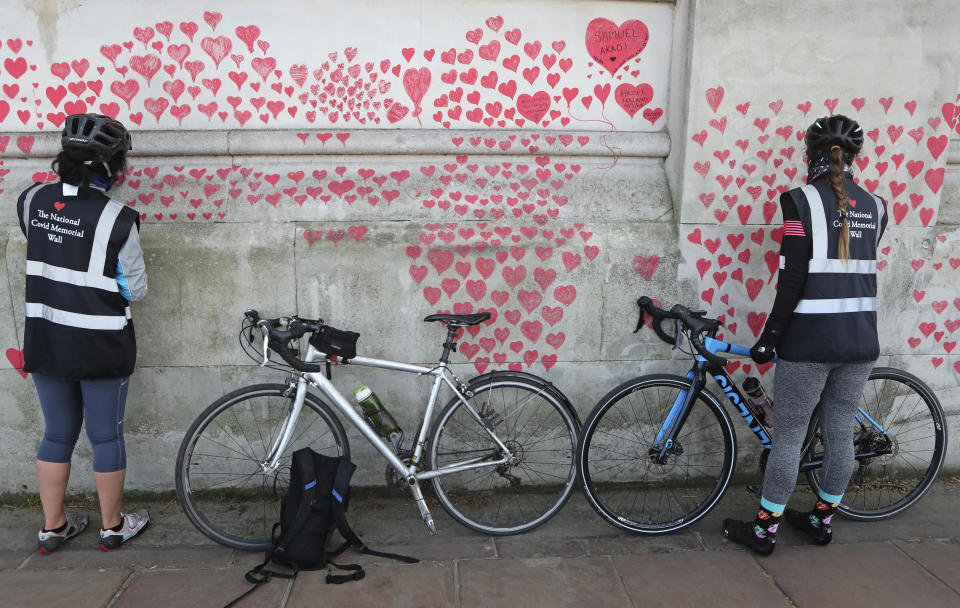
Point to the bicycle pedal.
(755, 490)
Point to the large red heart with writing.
(611, 45)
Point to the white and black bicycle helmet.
(95, 137)
(837, 130)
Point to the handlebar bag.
(336, 342)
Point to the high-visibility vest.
(836, 317)
(77, 322)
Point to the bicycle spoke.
(526, 490)
(890, 482)
(220, 480)
(644, 486)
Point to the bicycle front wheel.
(902, 422)
(541, 435)
(619, 454)
(222, 484)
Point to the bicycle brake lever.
(678, 342)
(639, 322)
(266, 350)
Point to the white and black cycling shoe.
(131, 525)
(50, 540)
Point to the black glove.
(763, 350)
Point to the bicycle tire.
(620, 480)
(537, 428)
(220, 484)
(910, 413)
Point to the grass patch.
(84, 500)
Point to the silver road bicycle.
(499, 456)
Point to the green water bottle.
(380, 419)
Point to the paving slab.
(547, 583)
(854, 575)
(623, 543)
(433, 551)
(212, 588)
(941, 558)
(698, 579)
(87, 588)
(11, 559)
(73, 556)
(385, 586)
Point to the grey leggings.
(798, 387)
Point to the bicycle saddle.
(473, 319)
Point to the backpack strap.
(339, 579)
(265, 576)
(341, 488)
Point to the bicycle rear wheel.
(904, 424)
(616, 457)
(541, 434)
(221, 484)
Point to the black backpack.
(315, 505)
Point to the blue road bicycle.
(659, 451)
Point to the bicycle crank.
(396, 484)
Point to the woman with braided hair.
(823, 328)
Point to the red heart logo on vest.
(59, 206)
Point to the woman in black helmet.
(84, 267)
(823, 328)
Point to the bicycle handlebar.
(693, 320)
(278, 339)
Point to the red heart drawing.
(217, 48)
(632, 98)
(146, 66)
(415, 83)
(15, 357)
(533, 107)
(646, 266)
(611, 45)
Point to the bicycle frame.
(441, 375)
(667, 434)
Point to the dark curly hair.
(73, 168)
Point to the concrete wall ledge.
(381, 142)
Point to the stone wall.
(374, 164)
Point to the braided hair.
(836, 178)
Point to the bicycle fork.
(665, 442)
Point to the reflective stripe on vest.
(836, 305)
(880, 214)
(829, 266)
(75, 319)
(73, 277)
(818, 223)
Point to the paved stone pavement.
(575, 559)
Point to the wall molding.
(366, 142)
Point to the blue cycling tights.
(66, 403)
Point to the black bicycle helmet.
(95, 136)
(837, 130)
